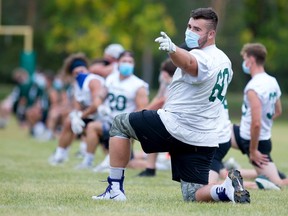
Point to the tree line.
(65, 26)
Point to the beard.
(203, 41)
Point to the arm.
(96, 90)
(141, 99)
(278, 109)
(256, 113)
(184, 60)
(180, 57)
(156, 103)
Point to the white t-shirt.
(82, 92)
(192, 109)
(224, 124)
(268, 92)
(122, 93)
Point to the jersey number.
(117, 102)
(272, 100)
(220, 88)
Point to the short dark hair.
(168, 66)
(126, 53)
(72, 58)
(257, 50)
(206, 13)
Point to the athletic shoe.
(104, 166)
(83, 166)
(56, 161)
(264, 183)
(282, 175)
(114, 191)
(232, 189)
(147, 173)
(231, 164)
(237, 193)
(3, 123)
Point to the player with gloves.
(186, 126)
(89, 92)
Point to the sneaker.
(83, 166)
(52, 160)
(282, 175)
(114, 191)
(104, 166)
(147, 173)
(264, 183)
(231, 164)
(235, 191)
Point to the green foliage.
(266, 22)
(65, 26)
(89, 26)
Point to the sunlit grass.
(29, 186)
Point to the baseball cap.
(114, 50)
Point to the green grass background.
(30, 186)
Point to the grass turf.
(30, 186)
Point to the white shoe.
(232, 189)
(264, 183)
(231, 164)
(104, 166)
(56, 161)
(235, 189)
(83, 166)
(114, 191)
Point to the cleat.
(264, 183)
(237, 193)
(147, 173)
(114, 191)
(104, 166)
(83, 166)
(53, 161)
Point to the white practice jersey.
(268, 92)
(191, 112)
(82, 92)
(122, 93)
(224, 126)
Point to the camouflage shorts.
(121, 127)
(189, 189)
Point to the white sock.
(88, 159)
(60, 153)
(83, 147)
(116, 173)
(213, 193)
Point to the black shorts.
(217, 163)
(189, 163)
(264, 146)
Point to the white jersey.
(224, 124)
(82, 92)
(192, 109)
(268, 92)
(122, 93)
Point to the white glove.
(77, 124)
(165, 43)
(103, 110)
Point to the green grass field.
(29, 186)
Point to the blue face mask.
(126, 69)
(191, 39)
(245, 69)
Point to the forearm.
(255, 133)
(92, 108)
(184, 60)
